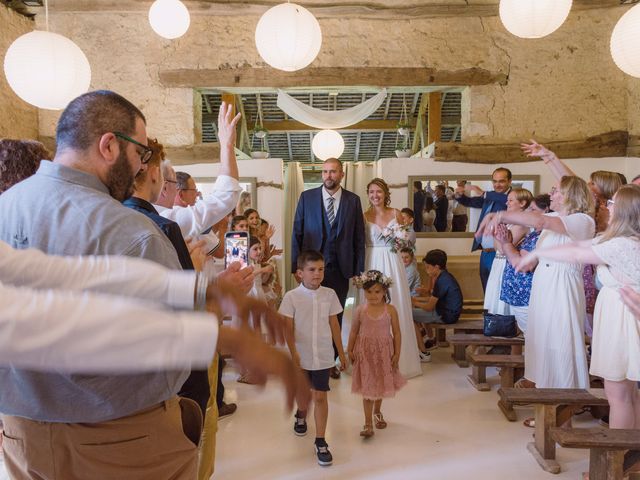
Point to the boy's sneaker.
(300, 427)
(430, 344)
(424, 357)
(324, 455)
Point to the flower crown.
(372, 276)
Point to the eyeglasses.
(170, 181)
(610, 203)
(147, 153)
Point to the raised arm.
(558, 168)
(126, 276)
(576, 252)
(227, 139)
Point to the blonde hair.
(625, 220)
(384, 187)
(523, 196)
(607, 182)
(577, 196)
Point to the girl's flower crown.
(372, 276)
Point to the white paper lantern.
(169, 18)
(625, 42)
(288, 37)
(327, 144)
(533, 18)
(46, 69)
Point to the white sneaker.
(424, 357)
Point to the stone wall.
(17, 118)
(565, 86)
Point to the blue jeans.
(426, 316)
(486, 259)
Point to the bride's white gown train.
(378, 256)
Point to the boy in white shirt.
(314, 310)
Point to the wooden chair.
(467, 324)
(553, 408)
(461, 341)
(606, 448)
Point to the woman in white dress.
(555, 354)
(616, 333)
(518, 200)
(378, 256)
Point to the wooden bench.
(606, 448)
(509, 366)
(461, 341)
(553, 407)
(466, 324)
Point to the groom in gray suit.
(329, 219)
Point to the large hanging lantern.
(288, 37)
(625, 42)
(46, 69)
(533, 18)
(169, 18)
(327, 144)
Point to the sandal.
(379, 421)
(530, 422)
(367, 431)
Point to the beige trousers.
(207, 458)
(155, 444)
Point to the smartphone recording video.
(236, 248)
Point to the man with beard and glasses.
(71, 206)
(329, 219)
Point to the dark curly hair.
(19, 159)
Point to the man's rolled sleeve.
(181, 289)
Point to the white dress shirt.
(51, 320)
(310, 310)
(336, 200)
(194, 220)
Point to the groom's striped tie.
(331, 215)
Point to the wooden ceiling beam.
(335, 9)
(249, 77)
(611, 144)
(198, 153)
(293, 126)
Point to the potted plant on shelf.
(403, 150)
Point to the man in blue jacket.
(488, 202)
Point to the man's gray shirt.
(64, 211)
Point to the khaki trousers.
(155, 444)
(207, 460)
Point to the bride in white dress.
(378, 256)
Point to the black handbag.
(500, 325)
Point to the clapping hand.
(527, 263)
(502, 234)
(197, 252)
(487, 226)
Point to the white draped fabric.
(293, 187)
(315, 117)
(356, 177)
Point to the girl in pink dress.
(374, 349)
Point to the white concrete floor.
(440, 427)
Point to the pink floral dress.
(373, 376)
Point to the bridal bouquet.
(397, 237)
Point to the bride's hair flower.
(370, 277)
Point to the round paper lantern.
(288, 37)
(533, 18)
(625, 42)
(169, 18)
(46, 69)
(327, 144)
